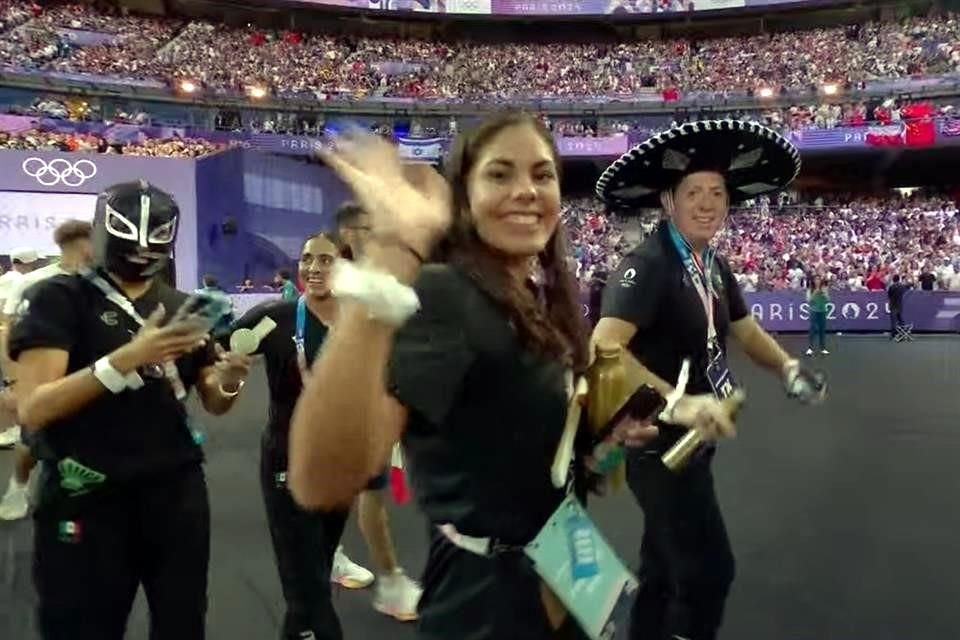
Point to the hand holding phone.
(631, 426)
(206, 309)
(643, 406)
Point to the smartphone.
(208, 308)
(645, 403)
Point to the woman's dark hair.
(552, 325)
(332, 237)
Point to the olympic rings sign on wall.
(59, 171)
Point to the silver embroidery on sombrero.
(604, 187)
(754, 188)
(746, 160)
(675, 160)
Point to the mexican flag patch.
(70, 531)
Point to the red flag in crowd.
(886, 136)
(921, 130)
(920, 133)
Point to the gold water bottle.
(678, 455)
(607, 383)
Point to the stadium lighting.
(830, 89)
(188, 86)
(765, 92)
(256, 92)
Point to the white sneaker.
(10, 437)
(348, 573)
(14, 504)
(824, 352)
(809, 352)
(397, 596)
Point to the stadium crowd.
(854, 243)
(219, 57)
(36, 140)
(596, 237)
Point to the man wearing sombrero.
(673, 299)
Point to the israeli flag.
(421, 149)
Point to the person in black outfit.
(673, 299)
(123, 500)
(304, 542)
(927, 279)
(476, 383)
(895, 296)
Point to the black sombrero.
(754, 159)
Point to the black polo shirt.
(128, 435)
(280, 355)
(485, 413)
(652, 290)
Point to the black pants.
(896, 319)
(304, 544)
(686, 564)
(91, 553)
(483, 598)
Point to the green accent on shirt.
(818, 300)
(289, 291)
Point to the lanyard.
(111, 293)
(701, 271)
(298, 339)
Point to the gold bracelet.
(234, 393)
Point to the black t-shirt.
(895, 293)
(927, 280)
(485, 414)
(652, 290)
(127, 435)
(280, 353)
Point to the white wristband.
(387, 299)
(113, 380)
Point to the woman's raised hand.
(407, 202)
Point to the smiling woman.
(505, 181)
(317, 256)
(476, 383)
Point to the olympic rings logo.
(59, 171)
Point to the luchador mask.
(135, 226)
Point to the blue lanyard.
(702, 265)
(298, 338)
(700, 269)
